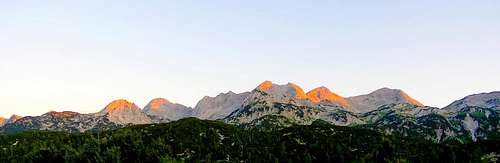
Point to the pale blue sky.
(67, 55)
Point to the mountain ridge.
(390, 111)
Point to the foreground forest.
(191, 140)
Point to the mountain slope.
(476, 123)
(193, 140)
(477, 116)
(2, 121)
(410, 121)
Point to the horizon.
(79, 56)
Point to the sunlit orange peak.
(322, 93)
(300, 94)
(119, 104)
(157, 103)
(266, 85)
(411, 100)
(14, 118)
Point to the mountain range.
(272, 106)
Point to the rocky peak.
(484, 100)
(324, 94)
(288, 90)
(2, 121)
(157, 103)
(164, 111)
(380, 97)
(119, 105)
(265, 85)
(124, 112)
(398, 96)
(14, 118)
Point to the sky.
(81, 55)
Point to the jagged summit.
(324, 94)
(290, 89)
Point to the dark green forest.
(193, 140)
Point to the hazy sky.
(69, 55)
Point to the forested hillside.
(192, 140)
